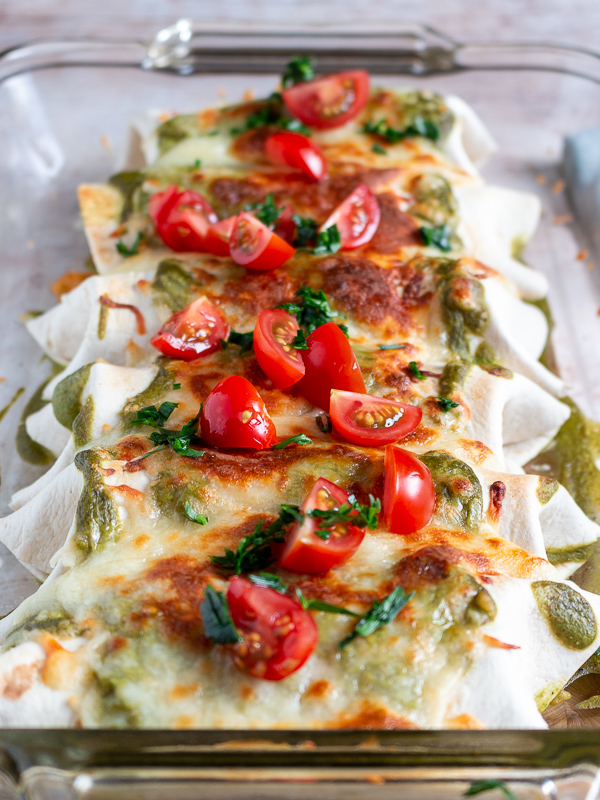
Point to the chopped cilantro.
(419, 127)
(328, 241)
(299, 70)
(198, 163)
(377, 148)
(216, 616)
(271, 113)
(270, 581)
(414, 370)
(359, 514)
(299, 341)
(176, 386)
(254, 551)
(445, 404)
(245, 341)
(179, 440)
(381, 613)
(268, 213)
(193, 515)
(129, 251)
(437, 237)
(300, 438)
(306, 231)
(486, 786)
(311, 309)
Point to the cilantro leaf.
(179, 440)
(129, 251)
(176, 386)
(270, 581)
(391, 346)
(485, 786)
(300, 438)
(381, 613)
(271, 113)
(306, 230)
(445, 404)
(216, 616)
(299, 70)
(328, 241)
(414, 370)
(268, 213)
(437, 237)
(359, 514)
(254, 551)
(311, 309)
(377, 148)
(193, 515)
(299, 341)
(245, 341)
(419, 127)
(155, 416)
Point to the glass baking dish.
(64, 111)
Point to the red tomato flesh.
(329, 101)
(279, 635)
(367, 420)
(182, 219)
(306, 552)
(408, 494)
(217, 237)
(273, 334)
(357, 218)
(234, 415)
(296, 151)
(329, 364)
(255, 246)
(193, 332)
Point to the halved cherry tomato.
(234, 415)
(364, 419)
(255, 246)
(304, 551)
(182, 218)
(297, 151)
(218, 235)
(329, 101)
(193, 332)
(408, 494)
(357, 218)
(329, 364)
(279, 635)
(273, 334)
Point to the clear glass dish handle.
(188, 47)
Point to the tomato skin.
(329, 364)
(284, 368)
(347, 408)
(304, 551)
(218, 235)
(287, 633)
(409, 493)
(178, 337)
(234, 415)
(182, 219)
(255, 246)
(330, 101)
(296, 151)
(357, 218)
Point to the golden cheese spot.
(247, 693)
(142, 541)
(420, 436)
(464, 722)
(19, 680)
(319, 690)
(183, 691)
(185, 721)
(61, 670)
(69, 281)
(476, 451)
(370, 716)
(111, 580)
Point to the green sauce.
(173, 285)
(458, 495)
(66, 398)
(30, 451)
(55, 621)
(454, 376)
(83, 423)
(4, 411)
(97, 517)
(569, 615)
(406, 107)
(172, 491)
(175, 130)
(576, 554)
(127, 183)
(546, 489)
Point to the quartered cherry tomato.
(304, 551)
(408, 494)
(234, 415)
(273, 334)
(218, 235)
(367, 420)
(296, 151)
(279, 635)
(357, 218)
(329, 364)
(182, 218)
(255, 246)
(193, 332)
(329, 101)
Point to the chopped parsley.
(486, 786)
(198, 163)
(179, 440)
(299, 341)
(328, 241)
(377, 148)
(306, 231)
(419, 127)
(299, 70)
(245, 341)
(129, 251)
(391, 346)
(216, 616)
(381, 613)
(254, 551)
(300, 438)
(176, 386)
(414, 370)
(268, 213)
(437, 237)
(311, 309)
(445, 404)
(269, 581)
(271, 113)
(359, 514)
(193, 515)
